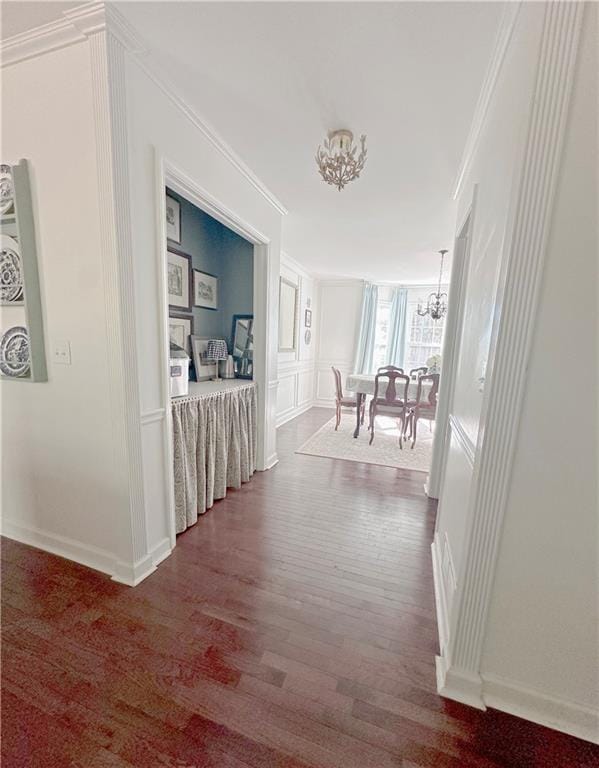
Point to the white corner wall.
(543, 631)
(61, 490)
(339, 308)
(532, 648)
(295, 393)
(161, 126)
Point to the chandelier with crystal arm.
(338, 162)
(436, 306)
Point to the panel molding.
(502, 41)
(462, 439)
(524, 257)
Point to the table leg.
(359, 398)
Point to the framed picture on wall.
(178, 280)
(180, 328)
(204, 370)
(173, 220)
(287, 315)
(205, 290)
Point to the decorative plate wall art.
(11, 270)
(7, 199)
(14, 352)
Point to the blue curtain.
(396, 345)
(365, 353)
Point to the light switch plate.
(61, 352)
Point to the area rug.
(384, 451)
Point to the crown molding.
(502, 41)
(81, 23)
(38, 41)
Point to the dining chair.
(382, 369)
(415, 372)
(422, 408)
(391, 397)
(341, 401)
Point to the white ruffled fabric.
(214, 441)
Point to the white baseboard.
(92, 557)
(293, 413)
(270, 462)
(459, 684)
(71, 549)
(324, 403)
(515, 699)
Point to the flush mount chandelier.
(337, 161)
(436, 306)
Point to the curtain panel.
(396, 347)
(214, 442)
(365, 351)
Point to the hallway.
(292, 626)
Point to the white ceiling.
(273, 78)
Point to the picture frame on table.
(180, 330)
(308, 318)
(178, 276)
(173, 219)
(204, 370)
(205, 290)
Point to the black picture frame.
(190, 319)
(187, 257)
(248, 373)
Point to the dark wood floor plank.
(292, 627)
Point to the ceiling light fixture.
(436, 306)
(337, 161)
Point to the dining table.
(362, 384)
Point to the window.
(381, 335)
(424, 336)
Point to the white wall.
(296, 369)
(61, 489)
(339, 308)
(158, 126)
(491, 177)
(540, 650)
(543, 629)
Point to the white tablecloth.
(364, 383)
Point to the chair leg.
(370, 410)
(338, 417)
(415, 422)
(363, 411)
(402, 429)
(372, 418)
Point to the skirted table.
(214, 444)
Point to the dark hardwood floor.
(293, 626)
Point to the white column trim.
(504, 398)
(107, 56)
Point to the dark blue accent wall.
(219, 251)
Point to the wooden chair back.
(386, 368)
(418, 371)
(431, 401)
(338, 384)
(395, 383)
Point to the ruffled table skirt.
(214, 441)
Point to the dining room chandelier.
(436, 306)
(338, 161)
